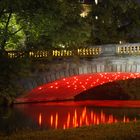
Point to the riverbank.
(118, 131)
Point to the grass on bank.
(118, 131)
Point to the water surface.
(64, 115)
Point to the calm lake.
(64, 115)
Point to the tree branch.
(7, 23)
(5, 38)
(17, 31)
(1, 12)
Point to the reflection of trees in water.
(12, 119)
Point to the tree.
(10, 31)
(40, 22)
(59, 24)
(115, 21)
(74, 30)
(36, 24)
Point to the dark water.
(65, 115)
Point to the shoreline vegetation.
(117, 131)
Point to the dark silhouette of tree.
(42, 23)
(114, 21)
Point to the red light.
(40, 119)
(40, 88)
(78, 83)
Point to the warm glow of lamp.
(96, 17)
(96, 2)
(86, 10)
(120, 42)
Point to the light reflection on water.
(66, 115)
(80, 117)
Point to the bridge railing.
(129, 49)
(82, 52)
(111, 49)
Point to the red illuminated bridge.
(68, 88)
(64, 78)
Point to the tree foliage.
(41, 23)
(115, 20)
(35, 24)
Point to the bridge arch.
(92, 60)
(68, 88)
(90, 68)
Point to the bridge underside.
(68, 88)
